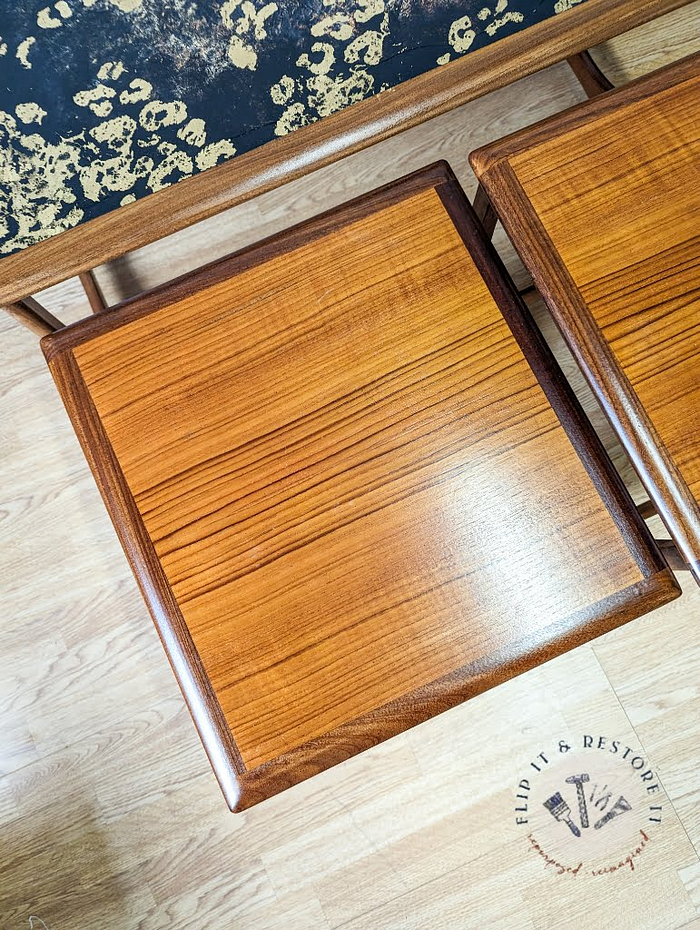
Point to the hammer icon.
(579, 781)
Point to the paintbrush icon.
(560, 810)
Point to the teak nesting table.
(351, 481)
(603, 204)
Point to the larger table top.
(105, 102)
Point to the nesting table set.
(352, 482)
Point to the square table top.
(603, 203)
(347, 499)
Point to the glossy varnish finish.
(348, 501)
(335, 136)
(604, 204)
(109, 815)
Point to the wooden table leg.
(485, 212)
(675, 560)
(93, 291)
(647, 510)
(588, 74)
(31, 314)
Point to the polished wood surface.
(345, 495)
(108, 812)
(603, 205)
(350, 130)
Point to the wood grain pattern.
(602, 203)
(332, 470)
(652, 46)
(108, 812)
(363, 124)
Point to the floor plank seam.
(646, 752)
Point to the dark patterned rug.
(105, 101)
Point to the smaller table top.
(348, 500)
(603, 202)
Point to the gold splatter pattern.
(182, 85)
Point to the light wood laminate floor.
(110, 816)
